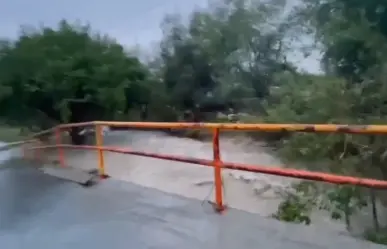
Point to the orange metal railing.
(217, 162)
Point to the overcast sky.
(130, 22)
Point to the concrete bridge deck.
(38, 211)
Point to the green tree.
(226, 56)
(68, 74)
(328, 99)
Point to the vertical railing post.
(99, 143)
(28, 153)
(24, 150)
(219, 207)
(58, 141)
(36, 153)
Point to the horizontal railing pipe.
(41, 133)
(217, 163)
(293, 173)
(314, 128)
(73, 125)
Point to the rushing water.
(257, 193)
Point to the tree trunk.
(76, 138)
(347, 218)
(374, 210)
(144, 112)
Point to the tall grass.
(11, 133)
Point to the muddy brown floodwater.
(256, 193)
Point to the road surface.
(38, 211)
(256, 193)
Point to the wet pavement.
(38, 211)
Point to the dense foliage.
(352, 38)
(67, 75)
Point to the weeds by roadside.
(12, 133)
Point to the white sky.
(130, 22)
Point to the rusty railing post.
(99, 143)
(37, 152)
(24, 151)
(58, 141)
(219, 206)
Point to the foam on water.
(257, 193)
